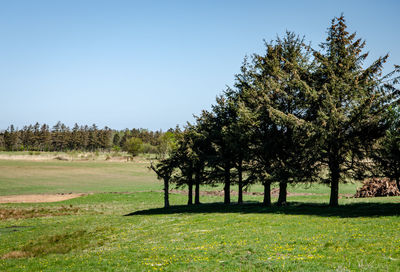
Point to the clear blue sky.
(153, 64)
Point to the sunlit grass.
(249, 237)
(92, 233)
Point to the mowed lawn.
(92, 233)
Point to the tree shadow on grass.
(293, 208)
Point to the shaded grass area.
(293, 208)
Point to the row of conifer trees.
(294, 115)
(40, 137)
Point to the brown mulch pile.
(378, 187)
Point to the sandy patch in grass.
(15, 254)
(26, 157)
(37, 198)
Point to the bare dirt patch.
(15, 254)
(26, 157)
(37, 198)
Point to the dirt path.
(37, 198)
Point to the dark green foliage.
(350, 104)
(387, 153)
(182, 160)
(218, 127)
(62, 138)
(293, 113)
(2, 142)
(277, 100)
(164, 170)
(116, 139)
(189, 158)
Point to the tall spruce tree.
(350, 106)
(285, 74)
(276, 105)
(221, 133)
(240, 127)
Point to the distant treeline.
(40, 137)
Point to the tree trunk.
(267, 193)
(240, 174)
(166, 193)
(197, 194)
(398, 183)
(227, 187)
(197, 188)
(282, 193)
(335, 176)
(190, 193)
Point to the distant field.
(24, 177)
(21, 173)
(91, 233)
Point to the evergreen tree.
(36, 136)
(105, 138)
(93, 138)
(125, 136)
(45, 138)
(164, 170)
(350, 106)
(56, 137)
(74, 143)
(220, 130)
(2, 142)
(199, 152)
(181, 159)
(285, 74)
(241, 127)
(116, 139)
(12, 140)
(84, 137)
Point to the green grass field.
(92, 233)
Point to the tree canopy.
(294, 114)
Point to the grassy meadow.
(121, 225)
